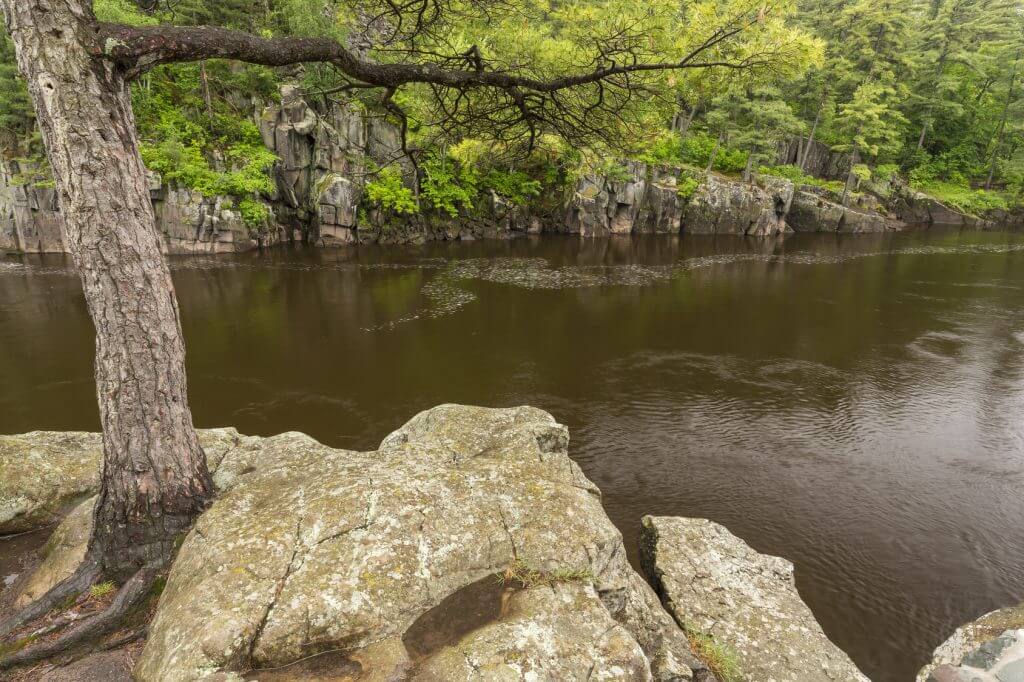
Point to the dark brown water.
(852, 403)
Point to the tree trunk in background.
(688, 121)
(155, 481)
(714, 153)
(814, 129)
(748, 169)
(851, 177)
(1002, 122)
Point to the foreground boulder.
(44, 474)
(469, 546)
(716, 584)
(989, 649)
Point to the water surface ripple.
(852, 403)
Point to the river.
(852, 403)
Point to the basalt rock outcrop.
(469, 546)
(989, 649)
(813, 210)
(747, 602)
(396, 556)
(646, 199)
(189, 222)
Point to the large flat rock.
(43, 474)
(747, 602)
(393, 557)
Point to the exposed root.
(58, 595)
(131, 595)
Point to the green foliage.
(448, 185)
(17, 119)
(255, 214)
(696, 150)
(687, 187)
(388, 191)
(971, 201)
(797, 176)
(861, 172)
(101, 590)
(886, 172)
(719, 659)
(514, 185)
(122, 12)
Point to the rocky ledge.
(715, 584)
(469, 546)
(989, 649)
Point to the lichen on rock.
(716, 584)
(315, 549)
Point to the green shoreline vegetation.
(930, 92)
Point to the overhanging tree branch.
(139, 48)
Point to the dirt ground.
(19, 555)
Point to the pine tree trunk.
(748, 169)
(714, 153)
(155, 480)
(851, 177)
(998, 142)
(814, 129)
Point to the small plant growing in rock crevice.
(527, 576)
(719, 659)
(101, 590)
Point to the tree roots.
(58, 595)
(130, 597)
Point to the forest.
(929, 90)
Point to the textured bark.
(155, 481)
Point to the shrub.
(886, 172)
(963, 198)
(448, 185)
(515, 186)
(389, 192)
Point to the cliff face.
(188, 221)
(325, 156)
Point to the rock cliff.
(326, 152)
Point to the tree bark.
(852, 176)
(155, 480)
(814, 129)
(998, 142)
(714, 153)
(748, 170)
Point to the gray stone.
(1012, 671)
(314, 549)
(44, 474)
(723, 206)
(974, 635)
(747, 602)
(987, 654)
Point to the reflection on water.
(849, 402)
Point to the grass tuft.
(100, 590)
(719, 659)
(527, 576)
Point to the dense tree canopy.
(929, 86)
